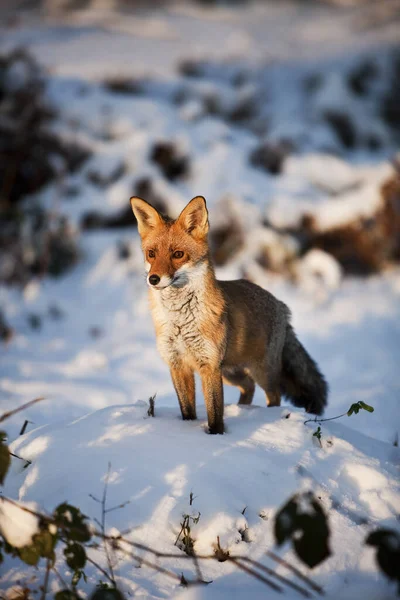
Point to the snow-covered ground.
(157, 462)
(93, 357)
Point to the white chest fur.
(178, 315)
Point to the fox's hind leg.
(268, 380)
(241, 380)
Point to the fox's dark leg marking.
(183, 380)
(243, 381)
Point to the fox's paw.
(216, 429)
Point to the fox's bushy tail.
(301, 380)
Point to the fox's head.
(174, 251)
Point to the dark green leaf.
(378, 537)
(312, 546)
(45, 543)
(387, 542)
(354, 408)
(285, 521)
(5, 458)
(72, 521)
(75, 556)
(30, 555)
(66, 595)
(318, 433)
(311, 550)
(303, 521)
(109, 593)
(366, 407)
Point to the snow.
(17, 525)
(157, 462)
(318, 271)
(94, 356)
(337, 193)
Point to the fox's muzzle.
(159, 283)
(154, 279)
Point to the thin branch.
(24, 426)
(63, 582)
(103, 524)
(180, 533)
(147, 563)
(317, 420)
(46, 580)
(236, 560)
(281, 578)
(116, 507)
(268, 582)
(11, 413)
(284, 563)
(27, 509)
(41, 516)
(198, 570)
(28, 462)
(95, 564)
(94, 498)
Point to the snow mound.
(237, 482)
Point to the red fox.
(231, 331)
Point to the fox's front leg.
(211, 379)
(183, 380)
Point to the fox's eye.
(178, 254)
(151, 254)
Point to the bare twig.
(94, 498)
(103, 525)
(284, 563)
(95, 564)
(317, 419)
(26, 509)
(152, 405)
(180, 533)
(256, 575)
(116, 507)
(28, 462)
(24, 426)
(281, 578)
(62, 581)
(234, 559)
(251, 567)
(154, 566)
(11, 413)
(46, 580)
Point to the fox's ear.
(194, 218)
(146, 215)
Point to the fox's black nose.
(154, 279)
